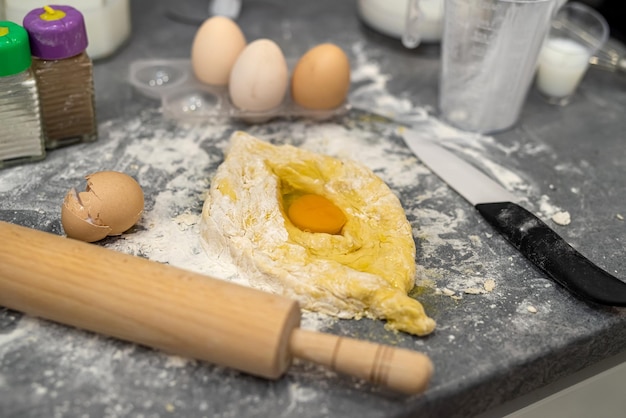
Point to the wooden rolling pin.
(184, 313)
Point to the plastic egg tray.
(187, 99)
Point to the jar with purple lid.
(64, 73)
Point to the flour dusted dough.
(366, 271)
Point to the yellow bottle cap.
(51, 14)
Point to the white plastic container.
(107, 21)
(389, 17)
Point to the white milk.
(562, 64)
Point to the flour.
(174, 212)
(171, 219)
(184, 158)
(19, 332)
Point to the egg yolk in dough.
(315, 213)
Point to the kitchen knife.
(527, 233)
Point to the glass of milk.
(577, 32)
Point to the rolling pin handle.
(399, 369)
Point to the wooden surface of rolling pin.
(181, 312)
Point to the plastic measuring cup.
(488, 59)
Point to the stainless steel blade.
(463, 177)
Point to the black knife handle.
(552, 254)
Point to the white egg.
(260, 77)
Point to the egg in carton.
(229, 78)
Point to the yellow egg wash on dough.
(365, 270)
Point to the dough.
(364, 271)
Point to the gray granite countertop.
(489, 346)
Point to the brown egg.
(111, 204)
(321, 78)
(216, 46)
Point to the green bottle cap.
(14, 49)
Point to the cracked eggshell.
(112, 202)
(120, 198)
(77, 222)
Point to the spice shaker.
(21, 130)
(64, 73)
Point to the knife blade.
(521, 228)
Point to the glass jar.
(21, 130)
(64, 73)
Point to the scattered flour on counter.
(168, 232)
(171, 226)
(482, 287)
(436, 228)
(176, 362)
(172, 220)
(175, 214)
(23, 330)
(472, 286)
(299, 394)
(475, 147)
(551, 211)
(371, 91)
